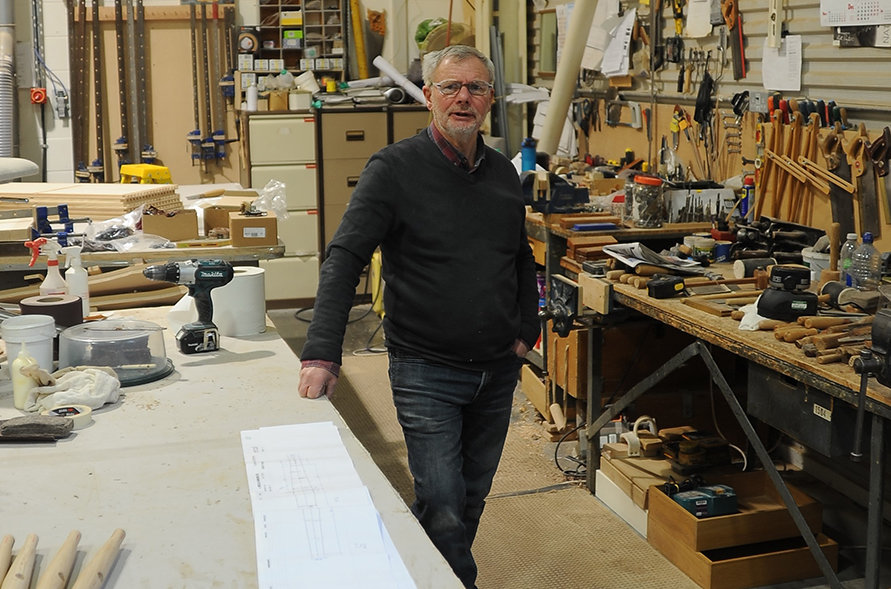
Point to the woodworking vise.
(547, 192)
(201, 277)
(873, 361)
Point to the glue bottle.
(76, 276)
(21, 383)
(53, 283)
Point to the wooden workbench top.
(837, 379)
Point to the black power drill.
(201, 276)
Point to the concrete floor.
(844, 520)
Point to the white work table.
(165, 464)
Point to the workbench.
(165, 463)
(816, 383)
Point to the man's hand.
(520, 348)
(315, 382)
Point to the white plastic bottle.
(845, 258)
(53, 283)
(21, 383)
(76, 276)
(866, 265)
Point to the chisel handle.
(56, 574)
(5, 554)
(19, 574)
(93, 575)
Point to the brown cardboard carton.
(216, 214)
(183, 224)
(253, 230)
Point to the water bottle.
(866, 265)
(527, 154)
(845, 258)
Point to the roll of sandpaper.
(746, 268)
(65, 309)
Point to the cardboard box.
(216, 214)
(292, 39)
(181, 226)
(253, 230)
(290, 18)
(762, 515)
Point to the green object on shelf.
(426, 26)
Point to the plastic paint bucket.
(36, 332)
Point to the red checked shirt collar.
(453, 155)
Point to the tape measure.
(81, 415)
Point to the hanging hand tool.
(862, 173)
(219, 132)
(147, 153)
(80, 84)
(207, 144)
(120, 145)
(737, 49)
(774, 38)
(658, 47)
(839, 196)
(194, 136)
(730, 13)
(879, 154)
(97, 167)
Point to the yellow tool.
(146, 174)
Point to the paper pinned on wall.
(598, 35)
(615, 58)
(781, 67)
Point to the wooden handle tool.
(5, 554)
(59, 570)
(19, 574)
(93, 575)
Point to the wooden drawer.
(333, 213)
(339, 178)
(407, 123)
(301, 183)
(294, 277)
(762, 515)
(353, 134)
(281, 139)
(300, 232)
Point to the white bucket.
(816, 261)
(307, 81)
(36, 331)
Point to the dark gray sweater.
(459, 273)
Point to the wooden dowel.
(59, 569)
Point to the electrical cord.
(579, 472)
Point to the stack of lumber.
(95, 201)
(582, 249)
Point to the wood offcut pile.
(95, 201)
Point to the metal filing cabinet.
(348, 139)
(283, 147)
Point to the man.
(461, 298)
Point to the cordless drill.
(201, 276)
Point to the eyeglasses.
(452, 87)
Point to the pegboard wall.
(640, 113)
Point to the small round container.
(704, 246)
(134, 349)
(649, 210)
(36, 332)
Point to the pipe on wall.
(7, 79)
(567, 74)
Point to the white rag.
(93, 386)
(751, 319)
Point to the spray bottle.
(76, 276)
(53, 283)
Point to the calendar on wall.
(840, 13)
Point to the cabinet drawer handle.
(355, 135)
(352, 181)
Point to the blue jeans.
(454, 422)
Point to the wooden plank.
(710, 307)
(596, 293)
